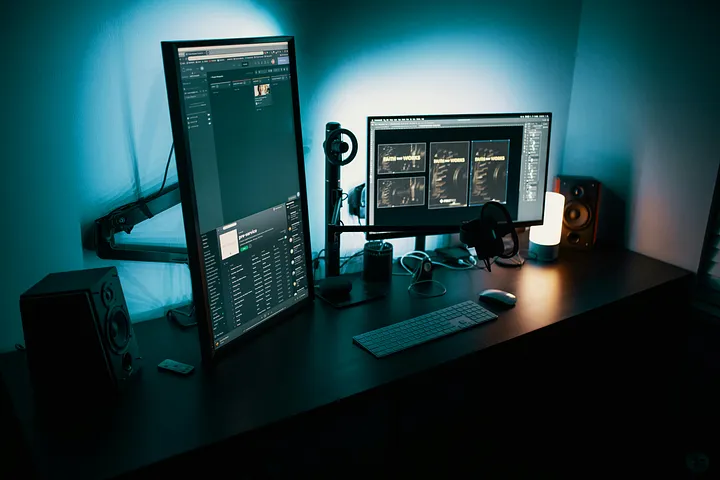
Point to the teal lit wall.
(642, 120)
(632, 86)
(408, 57)
(90, 129)
(86, 128)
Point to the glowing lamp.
(545, 238)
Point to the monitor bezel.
(171, 67)
(421, 230)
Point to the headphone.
(486, 234)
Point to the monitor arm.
(124, 219)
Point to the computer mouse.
(335, 288)
(498, 297)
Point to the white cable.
(452, 267)
(414, 254)
(413, 291)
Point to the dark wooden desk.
(309, 363)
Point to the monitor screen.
(437, 171)
(235, 116)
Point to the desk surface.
(310, 361)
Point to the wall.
(41, 230)
(641, 120)
(89, 129)
(86, 129)
(407, 57)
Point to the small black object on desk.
(335, 288)
(306, 375)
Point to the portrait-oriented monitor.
(431, 173)
(236, 126)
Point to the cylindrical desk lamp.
(545, 238)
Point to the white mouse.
(498, 297)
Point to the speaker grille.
(117, 330)
(580, 218)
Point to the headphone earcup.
(486, 234)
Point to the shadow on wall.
(612, 220)
(643, 107)
(127, 134)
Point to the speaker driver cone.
(108, 294)
(577, 215)
(117, 330)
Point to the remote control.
(175, 367)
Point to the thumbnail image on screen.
(263, 94)
(449, 174)
(489, 171)
(262, 89)
(401, 158)
(401, 192)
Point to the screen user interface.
(440, 170)
(239, 109)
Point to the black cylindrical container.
(377, 261)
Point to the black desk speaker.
(78, 336)
(582, 204)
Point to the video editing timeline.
(470, 160)
(254, 269)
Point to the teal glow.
(642, 121)
(90, 129)
(126, 128)
(403, 57)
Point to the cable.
(415, 292)
(410, 255)
(411, 288)
(452, 267)
(348, 259)
(167, 166)
(414, 254)
(473, 262)
(174, 315)
(152, 196)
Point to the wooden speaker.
(582, 203)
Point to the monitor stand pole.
(420, 243)
(333, 204)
